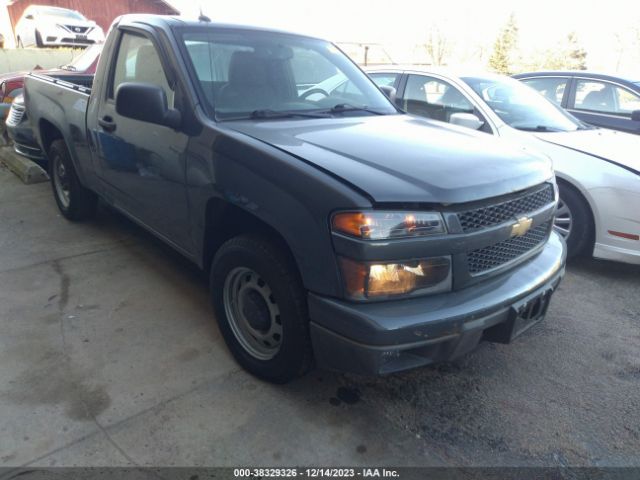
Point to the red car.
(11, 84)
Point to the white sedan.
(598, 170)
(45, 26)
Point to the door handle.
(107, 123)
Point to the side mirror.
(635, 115)
(146, 102)
(29, 17)
(468, 120)
(390, 92)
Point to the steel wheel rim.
(253, 314)
(61, 182)
(563, 221)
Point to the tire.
(75, 202)
(256, 272)
(574, 221)
(39, 43)
(20, 44)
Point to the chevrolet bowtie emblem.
(521, 227)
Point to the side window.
(434, 98)
(384, 79)
(628, 101)
(551, 88)
(605, 98)
(138, 61)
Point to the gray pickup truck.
(336, 228)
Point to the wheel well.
(48, 134)
(592, 231)
(225, 221)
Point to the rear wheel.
(39, 42)
(260, 306)
(74, 201)
(20, 44)
(573, 220)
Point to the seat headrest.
(148, 67)
(247, 68)
(595, 99)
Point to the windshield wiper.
(267, 114)
(540, 128)
(346, 107)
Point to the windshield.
(246, 74)
(521, 106)
(83, 61)
(61, 13)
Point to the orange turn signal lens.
(381, 225)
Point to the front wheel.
(261, 309)
(39, 42)
(74, 201)
(573, 221)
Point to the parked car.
(46, 26)
(80, 71)
(601, 100)
(20, 131)
(338, 229)
(598, 170)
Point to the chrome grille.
(491, 215)
(77, 29)
(494, 256)
(15, 115)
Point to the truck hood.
(399, 158)
(615, 147)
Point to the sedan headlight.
(382, 225)
(380, 280)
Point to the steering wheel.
(312, 91)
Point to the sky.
(603, 28)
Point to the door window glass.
(138, 61)
(606, 98)
(550, 87)
(434, 98)
(384, 79)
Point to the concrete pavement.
(110, 355)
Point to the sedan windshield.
(267, 75)
(61, 13)
(521, 106)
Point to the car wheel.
(20, 44)
(573, 220)
(74, 201)
(39, 43)
(261, 308)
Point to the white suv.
(45, 26)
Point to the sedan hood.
(399, 158)
(615, 147)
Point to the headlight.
(379, 280)
(381, 225)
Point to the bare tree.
(438, 46)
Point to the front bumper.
(387, 337)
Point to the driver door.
(142, 165)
